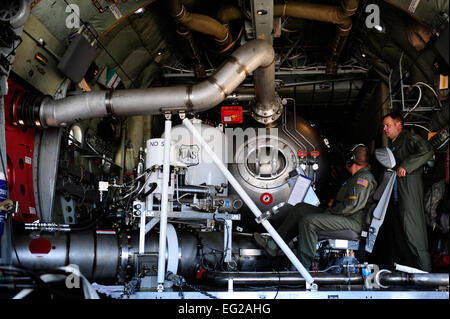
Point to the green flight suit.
(348, 212)
(411, 152)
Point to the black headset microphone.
(350, 157)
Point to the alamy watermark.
(73, 280)
(234, 145)
(373, 19)
(73, 19)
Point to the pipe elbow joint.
(349, 7)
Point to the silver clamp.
(312, 286)
(370, 281)
(377, 277)
(264, 216)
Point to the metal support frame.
(263, 19)
(227, 219)
(145, 228)
(227, 240)
(47, 151)
(286, 294)
(164, 204)
(141, 224)
(403, 87)
(276, 237)
(195, 215)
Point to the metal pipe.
(135, 135)
(164, 204)
(142, 233)
(240, 97)
(294, 278)
(267, 108)
(339, 15)
(196, 98)
(255, 210)
(287, 72)
(201, 23)
(416, 279)
(193, 189)
(282, 277)
(193, 51)
(229, 13)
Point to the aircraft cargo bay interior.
(238, 149)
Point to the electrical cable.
(421, 126)
(432, 90)
(13, 244)
(143, 187)
(151, 190)
(417, 85)
(407, 71)
(99, 154)
(279, 284)
(417, 103)
(226, 239)
(90, 224)
(138, 189)
(17, 38)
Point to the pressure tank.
(265, 157)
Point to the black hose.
(88, 225)
(151, 190)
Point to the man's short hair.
(358, 154)
(361, 155)
(396, 116)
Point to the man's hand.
(401, 172)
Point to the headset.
(350, 157)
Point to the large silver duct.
(111, 256)
(255, 55)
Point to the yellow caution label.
(443, 82)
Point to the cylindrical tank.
(97, 254)
(107, 256)
(201, 168)
(264, 158)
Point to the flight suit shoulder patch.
(362, 181)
